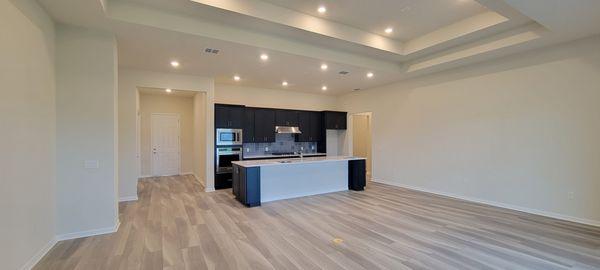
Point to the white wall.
(521, 132)
(184, 107)
(27, 162)
(273, 98)
(199, 135)
(86, 79)
(361, 137)
(129, 81)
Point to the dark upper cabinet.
(316, 126)
(259, 123)
(248, 135)
(304, 125)
(221, 116)
(335, 120)
(264, 125)
(286, 118)
(310, 125)
(229, 116)
(236, 114)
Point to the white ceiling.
(441, 34)
(163, 92)
(409, 18)
(302, 73)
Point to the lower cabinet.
(223, 180)
(246, 185)
(357, 174)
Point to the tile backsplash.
(283, 143)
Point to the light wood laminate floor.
(174, 225)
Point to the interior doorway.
(361, 138)
(171, 132)
(166, 145)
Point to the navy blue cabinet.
(249, 126)
(357, 174)
(229, 116)
(286, 118)
(264, 125)
(335, 120)
(246, 185)
(310, 124)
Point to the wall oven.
(225, 155)
(228, 136)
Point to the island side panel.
(302, 179)
(253, 195)
(246, 185)
(357, 174)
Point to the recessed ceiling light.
(236, 78)
(284, 83)
(324, 66)
(389, 30)
(324, 88)
(264, 57)
(174, 63)
(168, 90)
(370, 75)
(322, 9)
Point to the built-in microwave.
(228, 136)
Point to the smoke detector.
(211, 50)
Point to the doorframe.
(350, 137)
(178, 140)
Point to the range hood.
(287, 130)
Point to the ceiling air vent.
(343, 72)
(356, 89)
(210, 50)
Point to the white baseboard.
(209, 189)
(40, 254)
(186, 173)
(590, 222)
(128, 198)
(44, 250)
(69, 236)
(145, 176)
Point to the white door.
(165, 144)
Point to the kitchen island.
(264, 180)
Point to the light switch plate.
(91, 164)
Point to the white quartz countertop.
(292, 161)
